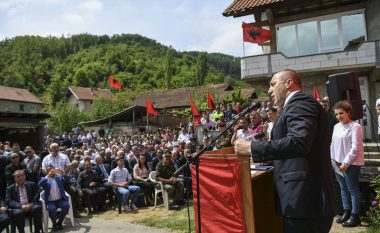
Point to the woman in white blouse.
(347, 156)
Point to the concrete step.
(372, 147)
(372, 163)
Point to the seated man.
(88, 182)
(165, 173)
(23, 198)
(4, 219)
(104, 171)
(122, 180)
(54, 196)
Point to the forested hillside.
(48, 65)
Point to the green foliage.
(47, 66)
(169, 67)
(202, 68)
(373, 214)
(101, 107)
(64, 117)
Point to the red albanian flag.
(114, 83)
(255, 34)
(195, 112)
(210, 102)
(316, 94)
(150, 108)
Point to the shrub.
(374, 212)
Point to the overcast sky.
(186, 25)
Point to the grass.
(173, 220)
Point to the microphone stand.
(195, 159)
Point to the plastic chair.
(45, 213)
(159, 188)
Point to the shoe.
(344, 217)
(134, 207)
(59, 226)
(127, 208)
(55, 228)
(353, 221)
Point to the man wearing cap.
(165, 173)
(121, 179)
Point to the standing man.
(300, 150)
(58, 160)
(33, 164)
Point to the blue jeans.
(124, 192)
(349, 187)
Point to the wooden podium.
(257, 196)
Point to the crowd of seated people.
(94, 166)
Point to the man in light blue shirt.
(122, 180)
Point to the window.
(21, 107)
(288, 46)
(322, 34)
(329, 35)
(308, 38)
(33, 109)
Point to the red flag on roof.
(195, 112)
(255, 34)
(210, 102)
(114, 83)
(150, 108)
(316, 94)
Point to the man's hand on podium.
(242, 147)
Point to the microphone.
(257, 136)
(254, 106)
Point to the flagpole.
(147, 121)
(243, 50)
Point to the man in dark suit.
(104, 171)
(23, 198)
(300, 150)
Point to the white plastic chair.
(159, 189)
(45, 213)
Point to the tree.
(101, 107)
(169, 67)
(202, 68)
(64, 117)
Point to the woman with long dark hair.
(141, 175)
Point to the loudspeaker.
(345, 86)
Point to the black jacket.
(300, 148)
(13, 196)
